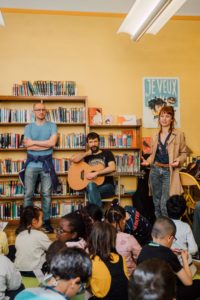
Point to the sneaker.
(47, 228)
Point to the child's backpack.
(138, 226)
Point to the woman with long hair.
(168, 153)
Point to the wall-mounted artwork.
(159, 91)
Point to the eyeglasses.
(61, 230)
(42, 110)
(175, 239)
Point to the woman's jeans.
(31, 176)
(160, 180)
(95, 193)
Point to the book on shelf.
(126, 120)
(108, 119)
(95, 116)
(146, 145)
(131, 137)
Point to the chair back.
(188, 180)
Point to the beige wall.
(107, 67)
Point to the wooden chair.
(188, 181)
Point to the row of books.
(124, 163)
(9, 166)
(64, 141)
(125, 139)
(11, 188)
(9, 115)
(128, 163)
(58, 115)
(11, 140)
(66, 115)
(11, 210)
(71, 140)
(45, 88)
(14, 188)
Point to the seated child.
(137, 225)
(53, 249)
(31, 243)
(10, 278)
(109, 278)
(70, 269)
(126, 244)
(163, 234)
(153, 279)
(184, 239)
(72, 230)
(90, 213)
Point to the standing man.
(94, 156)
(39, 139)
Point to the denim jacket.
(47, 166)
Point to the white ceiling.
(190, 8)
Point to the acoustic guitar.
(77, 175)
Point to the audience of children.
(109, 279)
(163, 234)
(153, 280)
(10, 278)
(72, 230)
(126, 244)
(70, 269)
(113, 254)
(184, 239)
(31, 243)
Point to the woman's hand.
(175, 163)
(144, 162)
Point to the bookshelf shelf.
(113, 126)
(121, 148)
(125, 143)
(33, 99)
(24, 124)
(56, 149)
(54, 197)
(59, 108)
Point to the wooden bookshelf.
(19, 154)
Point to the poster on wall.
(158, 92)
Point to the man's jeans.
(160, 180)
(95, 193)
(196, 224)
(31, 175)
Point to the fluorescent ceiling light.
(1, 20)
(149, 16)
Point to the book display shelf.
(125, 143)
(70, 113)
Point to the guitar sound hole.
(82, 175)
